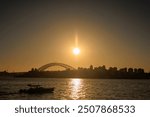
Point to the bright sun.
(76, 51)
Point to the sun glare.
(76, 51)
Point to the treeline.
(4, 73)
(91, 72)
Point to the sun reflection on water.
(76, 89)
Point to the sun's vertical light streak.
(76, 40)
(76, 49)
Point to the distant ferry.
(36, 89)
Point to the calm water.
(77, 89)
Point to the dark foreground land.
(98, 72)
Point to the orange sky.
(111, 34)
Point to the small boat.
(36, 89)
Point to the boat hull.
(37, 90)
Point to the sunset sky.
(110, 32)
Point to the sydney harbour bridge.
(44, 67)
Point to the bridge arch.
(42, 68)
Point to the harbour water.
(77, 89)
